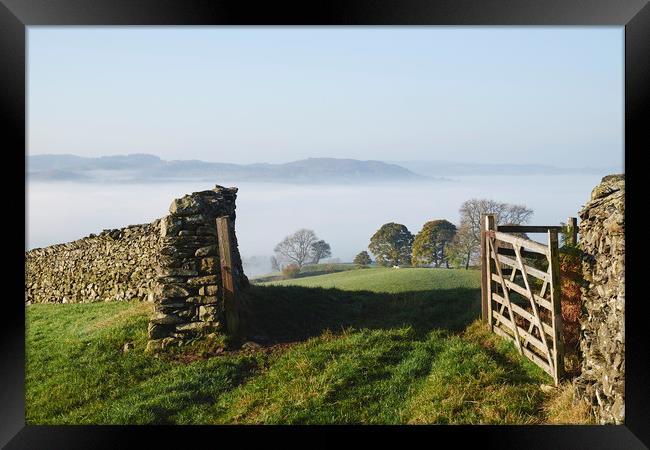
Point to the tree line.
(439, 243)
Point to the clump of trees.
(362, 259)
(300, 248)
(392, 244)
(431, 242)
(466, 246)
(440, 242)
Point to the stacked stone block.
(602, 238)
(188, 299)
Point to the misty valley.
(345, 216)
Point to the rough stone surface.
(602, 343)
(188, 298)
(115, 265)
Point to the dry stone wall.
(602, 237)
(173, 262)
(189, 299)
(115, 265)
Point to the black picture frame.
(634, 15)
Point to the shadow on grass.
(515, 373)
(276, 314)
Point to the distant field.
(327, 355)
(308, 270)
(391, 280)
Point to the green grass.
(387, 356)
(390, 280)
(308, 270)
(76, 371)
(387, 377)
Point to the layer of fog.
(344, 216)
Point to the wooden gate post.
(572, 231)
(228, 283)
(556, 302)
(487, 224)
(484, 298)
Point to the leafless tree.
(275, 264)
(471, 212)
(297, 248)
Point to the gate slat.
(523, 313)
(531, 270)
(490, 248)
(532, 356)
(533, 304)
(503, 334)
(510, 252)
(539, 361)
(529, 337)
(527, 228)
(526, 243)
(519, 290)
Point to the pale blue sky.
(551, 95)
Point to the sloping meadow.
(340, 357)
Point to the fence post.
(484, 294)
(556, 301)
(572, 231)
(227, 281)
(487, 224)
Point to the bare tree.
(471, 212)
(297, 248)
(275, 264)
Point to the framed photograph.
(330, 214)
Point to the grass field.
(308, 270)
(390, 280)
(403, 347)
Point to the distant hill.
(434, 168)
(143, 168)
(57, 175)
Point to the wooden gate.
(523, 310)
